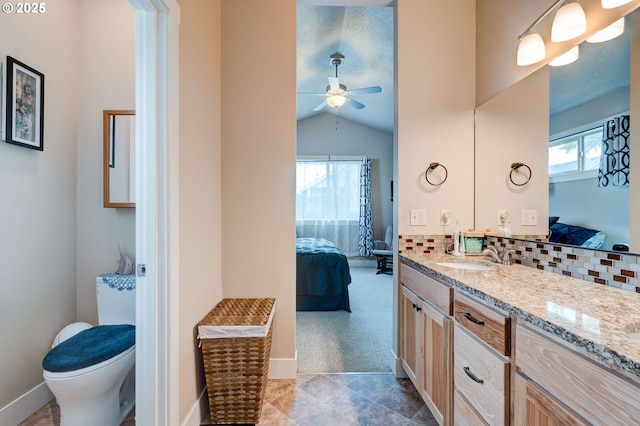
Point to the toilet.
(91, 370)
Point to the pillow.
(553, 220)
(570, 234)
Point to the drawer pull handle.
(468, 316)
(472, 376)
(418, 308)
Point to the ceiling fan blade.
(365, 90)
(319, 107)
(334, 83)
(355, 104)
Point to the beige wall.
(106, 80)
(435, 101)
(38, 203)
(200, 285)
(258, 158)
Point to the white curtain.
(328, 202)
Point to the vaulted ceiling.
(364, 35)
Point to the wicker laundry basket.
(236, 342)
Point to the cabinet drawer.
(491, 326)
(436, 292)
(481, 377)
(464, 414)
(594, 392)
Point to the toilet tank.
(116, 297)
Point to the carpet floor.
(356, 342)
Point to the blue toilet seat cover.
(90, 347)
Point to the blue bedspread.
(322, 275)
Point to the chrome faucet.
(492, 253)
(506, 257)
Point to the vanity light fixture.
(610, 4)
(569, 22)
(566, 58)
(531, 47)
(609, 33)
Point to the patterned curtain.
(365, 242)
(614, 161)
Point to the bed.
(574, 234)
(322, 276)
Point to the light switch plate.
(418, 217)
(529, 217)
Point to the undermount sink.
(467, 266)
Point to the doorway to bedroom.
(332, 200)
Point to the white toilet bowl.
(99, 388)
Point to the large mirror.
(119, 158)
(581, 96)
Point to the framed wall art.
(24, 105)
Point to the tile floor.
(347, 399)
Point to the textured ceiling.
(364, 35)
(602, 68)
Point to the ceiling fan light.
(530, 50)
(612, 31)
(336, 101)
(569, 22)
(566, 58)
(610, 4)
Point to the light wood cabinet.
(561, 374)
(534, 406)
(427, 341)
(481, 369)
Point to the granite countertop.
(594, 318)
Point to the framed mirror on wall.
(119, 158)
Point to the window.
(577, 155)
(328, 190)
(328, 201)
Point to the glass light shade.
(566, 58)
(530, 50)
(569, 22)
(610, 4)
(609, 33)
(336, 101)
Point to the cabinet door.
(437, 338)
(411, 348)
(535, 407)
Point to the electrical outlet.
(418, 217)
(503, 217)
(529, 217)
(445, 217)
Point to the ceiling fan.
(337, 94)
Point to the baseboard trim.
(396, 366)
(199, 411)
(283, 368)
(25, 405)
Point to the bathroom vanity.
(516, 345)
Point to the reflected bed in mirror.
(119, 158)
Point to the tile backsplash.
(615, 269)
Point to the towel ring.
(434, 166)
(515, 167)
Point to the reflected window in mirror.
(119, 158)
